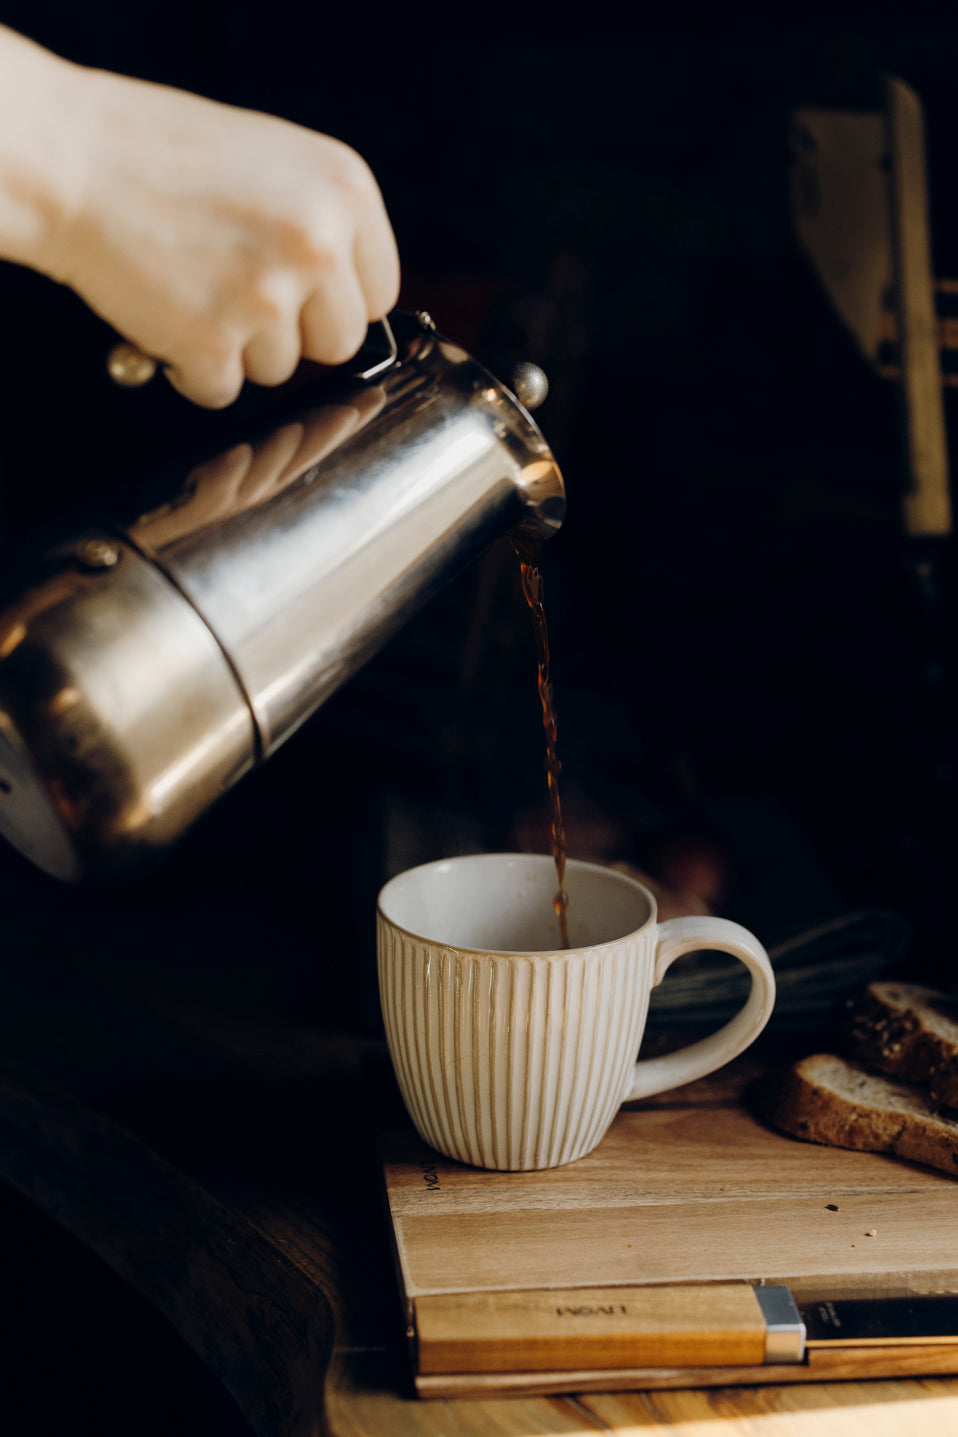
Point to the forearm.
(42, 161)
(225, 243)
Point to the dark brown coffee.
(532, 588)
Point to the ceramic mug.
(512, 1052)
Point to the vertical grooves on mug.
(615, 1030)
(408, 961)
(639, 1001)
(420, 1007)
(638, 1008)
(566, 1062)
(642, 991)
(603, 1045)
(395, 992)
(445, 1016)
(392, 977)
(405, 999)
(478, 1087)
(532, 1099)
(463, 1013)
(609, 1004)
(432, 982)
(626, 1038)
(385, 969)
(585, 1064)
(547, 1092)
(533, 1059)
(490, 1030)
(553, 1068)
(624, 1041)
(388, 985)
(580, 1056)
(570, 1062)
(519, 1059)
(510, 1046)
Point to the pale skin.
(225, 243)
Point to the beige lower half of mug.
(514, 1061)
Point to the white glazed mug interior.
(502, 903)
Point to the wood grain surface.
(555, 1329)
(364, 1399)
(823, 1365)
(218, 1156)
(704, 1193)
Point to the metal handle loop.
(392, 348)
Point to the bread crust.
(824, 1099)
(908, 1031)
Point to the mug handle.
(684, 935)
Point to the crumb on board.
(831, 1207)
(872, 1232)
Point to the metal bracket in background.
(861, 215)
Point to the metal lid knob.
(130, 367)
(529, 384)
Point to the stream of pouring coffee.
(532, 588)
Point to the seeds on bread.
(908, 1031)
(824, 1099)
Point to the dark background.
(737, 652)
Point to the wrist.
(43, 120)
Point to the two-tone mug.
(512, 1052)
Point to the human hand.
(225, 243)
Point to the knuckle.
(263, 300)
(255, 294)
(353, 174)
(310, 241)
(204, 346)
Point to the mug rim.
(539, 858)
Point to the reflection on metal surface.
(211, 617)
(130, 367)
(115, 684)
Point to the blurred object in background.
(863, 215)
(816, 971)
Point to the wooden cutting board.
(685, 1189)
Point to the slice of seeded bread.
(910, 1032)
(825, 1099)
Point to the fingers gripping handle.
(130, 368)
(688, 935)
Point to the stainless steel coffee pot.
(153, 653)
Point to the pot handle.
(686, 935)
(379, 335)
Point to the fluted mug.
(512, 1052)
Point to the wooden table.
(215, 1157)
(362, 1401)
